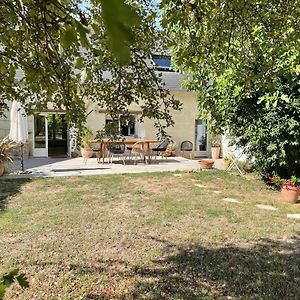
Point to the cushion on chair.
(117, 148)
(96, 147)
(162, 146)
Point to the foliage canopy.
(64, 56)
(243, 59)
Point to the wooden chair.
(138, 149)
(187, 146)
(97, 149)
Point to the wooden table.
(146, 142)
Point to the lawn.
(149, 236)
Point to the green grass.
(149, 236)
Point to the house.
(49, 134)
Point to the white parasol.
(18, 126)
(18, 123)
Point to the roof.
(173, 80)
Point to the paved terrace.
(55, 167)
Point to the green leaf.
(9, 278)
(120, 19)
(83, 31)
(22, 280)
(285, 98)
(79, 63)
(2, 290)
(68, 36)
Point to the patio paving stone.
(293, 216)
(266, 207)
(231, 200)
(200, 185)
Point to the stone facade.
(185, 120)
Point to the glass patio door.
(40, 137)
(200, 138)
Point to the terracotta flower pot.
(1, 168)
(74, 154)
(290, 193)
(206, 164)
(215, 152)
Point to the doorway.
(40, 142)
(57, 135)
(50, 135)
(200, 138)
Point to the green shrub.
(266, 121)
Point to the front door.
(40, 138)
(200, 138)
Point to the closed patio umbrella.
(18, 126)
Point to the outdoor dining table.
(146, 144)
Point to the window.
(162, 62)
(127, 127)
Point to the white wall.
(4, 125)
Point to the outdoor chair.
(235, 154)
(161, 148)
(187, 146)
(97, 148)
(138, 149)
(129, 148)
(118, 150)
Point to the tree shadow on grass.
(10, 188)
(269, 270)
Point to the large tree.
(242, 57)
(59, 52)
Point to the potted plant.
(6, 155)
(215, 147)
(86, 150)
(206, 163)
(74, 154)
(290, 188)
